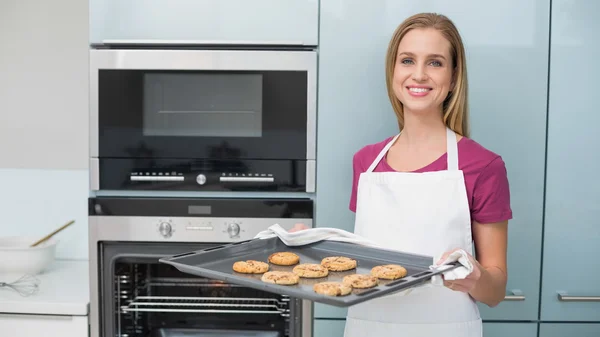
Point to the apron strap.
(452, 150)
(381, 154)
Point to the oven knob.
(201, 179)
(233, 229)
(165, 229)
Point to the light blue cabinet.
(335, 328)
(569, 329)
(224, 21)
(572, 229)
(510, 329)
(354, 110)
(328, 328)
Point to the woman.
(430, 189)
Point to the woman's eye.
(406, 61)
(436, 63)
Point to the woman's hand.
(467, 284)
(298, 227)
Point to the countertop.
(63, 290)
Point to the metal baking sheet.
(216, 263)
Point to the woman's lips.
(418, 91)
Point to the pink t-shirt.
(484, 171)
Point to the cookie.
(250, 267)
(280, 277)
(332, 288)
(360, 281)
(284, 258)
(389, 271)
(310, 270)
(338, 263)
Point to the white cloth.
(422, 213)
(313, 235)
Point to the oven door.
(140, 297)
(181, 114)
(223, 104)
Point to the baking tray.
(216, 263)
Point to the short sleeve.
(491, 194)
(357, 169)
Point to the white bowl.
(16, 257)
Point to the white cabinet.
(44, 84)
(220, 21)
(43, 325)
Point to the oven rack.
(237, 305)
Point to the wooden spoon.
(53, 233)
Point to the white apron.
(423, 213)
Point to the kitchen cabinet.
(223, 21)
(569, 329)
(44, 85)
(510, 329)
(572, 231)
(353, 102)
(44, 325)
(335, 328)
(328, 327)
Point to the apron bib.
(422, 213)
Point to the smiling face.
(423, 72)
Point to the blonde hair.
(455, 107)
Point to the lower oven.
(133, 295)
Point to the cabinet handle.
(515, 295)
(564, 297)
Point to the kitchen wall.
(43, 120)
(532, 76)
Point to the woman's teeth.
(419, 89)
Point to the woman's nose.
(419, 74)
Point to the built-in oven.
(187, 118)
(133, 295)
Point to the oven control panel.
(221, 229)
(201, 220)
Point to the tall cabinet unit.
(203, 21)
(354, 111)
(570, 286)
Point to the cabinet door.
(44, 84)
(328, 328)
(510, 329)
(354, 111)
(223, 21)
(572, 228)
(569, 329)
(43, 325)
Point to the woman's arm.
(487, 282)
(491, 247)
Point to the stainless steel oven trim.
(132, 229)
(311, 176)
(94, 174)
(307, 318)
(93, 281)
(166, 59)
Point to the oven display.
(199, 210)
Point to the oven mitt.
(458, 273)
(312, 235)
